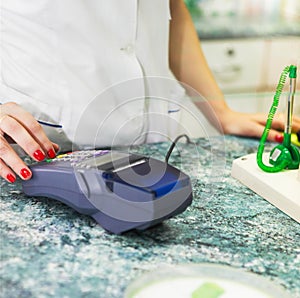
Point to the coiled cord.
(272, 112)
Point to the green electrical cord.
(286, 152)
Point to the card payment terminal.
(120, 190)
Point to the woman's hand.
(188, 63)
(253, 125)
(19, 126)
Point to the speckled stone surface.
(49, 250)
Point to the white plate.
(201, 281)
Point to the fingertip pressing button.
(51, 153)
(39, 155)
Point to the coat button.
(129, 49)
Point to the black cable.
(174, 144)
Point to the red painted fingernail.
(39, 155)
(279, 138)
(25, 173)
(11, 178)
(51, 153)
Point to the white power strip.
(280, 189)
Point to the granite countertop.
(49, 250)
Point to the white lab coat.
(83, 68)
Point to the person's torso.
(83, 62)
